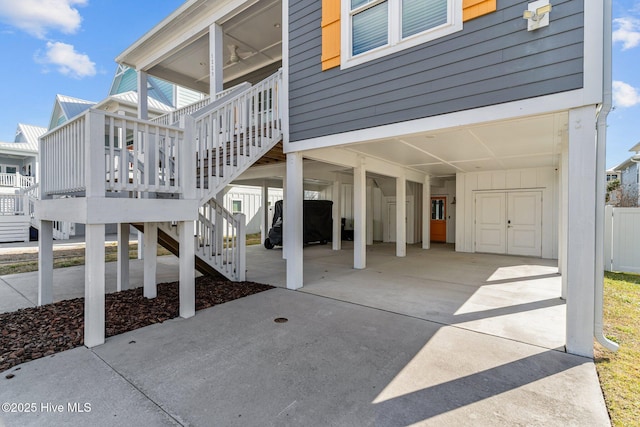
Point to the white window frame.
(396, 43)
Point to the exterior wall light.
(537, 14)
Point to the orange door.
(439, 219)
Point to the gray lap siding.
(493, 60)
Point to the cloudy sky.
(68, 47)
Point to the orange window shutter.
(474, 8)
(330, 34)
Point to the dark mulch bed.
(31, 333)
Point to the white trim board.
(512, 110)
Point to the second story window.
(375, 28)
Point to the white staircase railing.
(231, 137)
(173, 117)
(220, 239)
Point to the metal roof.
(29, 135)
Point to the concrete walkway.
(343, 358)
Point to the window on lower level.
(375, 28)
(236, 206)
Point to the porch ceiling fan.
(236, 55)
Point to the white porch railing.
(13, 204)
(235, 134)
(174, 117)
(15, 180)
(78, 155)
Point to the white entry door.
(491, 226)
(524, 225)
(509, 223)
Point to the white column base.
(293, 221)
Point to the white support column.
(293, 221)
(564, 218)
(369, 212)
(581, 231)
(45, 263)
(401, 216)
(187, 272)
(143, 100)
(140, 245)
(216, 61)
(359, 216)
(219, 234)
(123, 257)
(242, 246)
(94, 288)
(426, 213)
(264, 232)
(336, 243)
(150, 259)
(284, 211)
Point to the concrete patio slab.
(332, 363)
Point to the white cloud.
(625, 95)
(627, 32)
(37, 17)
(69, 62)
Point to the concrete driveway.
(397, 344)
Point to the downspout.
(601, 139)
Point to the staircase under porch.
(163, 177)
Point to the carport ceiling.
(523, 143)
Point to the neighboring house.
(18, 166)
(475, 125)
(66, 108)
(628, 194)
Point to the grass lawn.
(27, 262)
(619, 372)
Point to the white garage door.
(509, 223)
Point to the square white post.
(401, 216)
(564, 218)
(336, 243)
(369, 212)
(581, 231)
(359, 216)
(293, 221)
(94, 286)
(241, 266)
(45, 263)
(123, 257)
(143, 100)
(426, 212)
(264, 231)
(284, 216)
(187, 271)
(150, 259)
(219, 221)
(216, 61)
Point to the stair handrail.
(174, 117)
(233, 134)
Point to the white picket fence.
(622, 239)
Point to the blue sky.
(69, 46)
